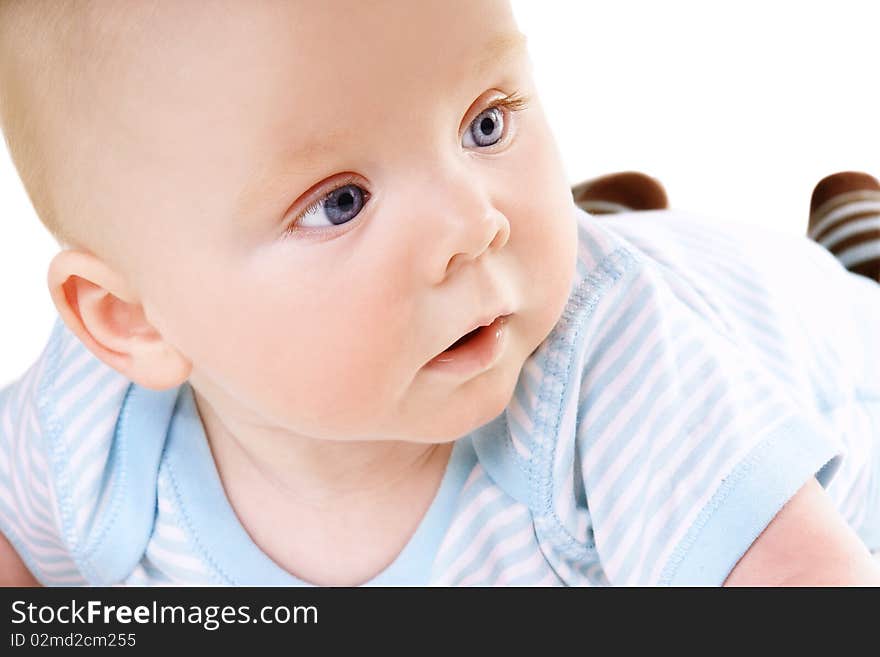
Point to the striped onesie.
(698, 376)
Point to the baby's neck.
(328, 512)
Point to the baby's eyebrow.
(498, 49)
(502, 46)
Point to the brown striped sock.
(620, 192)
(845, 219)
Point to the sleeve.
(687, 447)
(29, 513)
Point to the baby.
(328, 315)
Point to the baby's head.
(294, 205)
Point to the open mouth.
(474, 351)
(464, 338)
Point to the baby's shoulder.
(74, 472)
(783, 297)
(644, 406)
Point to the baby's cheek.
(330, 387)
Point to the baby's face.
(428, 210)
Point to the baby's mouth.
(473, 352)
(463, 339)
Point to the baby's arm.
(13, 572)
(808, 543)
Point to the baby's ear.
(106, 315)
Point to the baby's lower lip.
(475, 355)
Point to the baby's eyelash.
(513, 102)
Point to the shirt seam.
(725, 489)
(58, 456)
(82, 547)
(220, 572)
(557, 372)
(118, 483)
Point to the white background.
(738, 107)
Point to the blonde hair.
(51, 53)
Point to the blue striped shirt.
(698, 376)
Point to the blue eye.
(346, 201)
(487, 129)
(338, 207)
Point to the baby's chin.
(475, 403)
(480, 400)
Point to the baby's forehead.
(359, 78)
(302, 58)
(235, 106)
